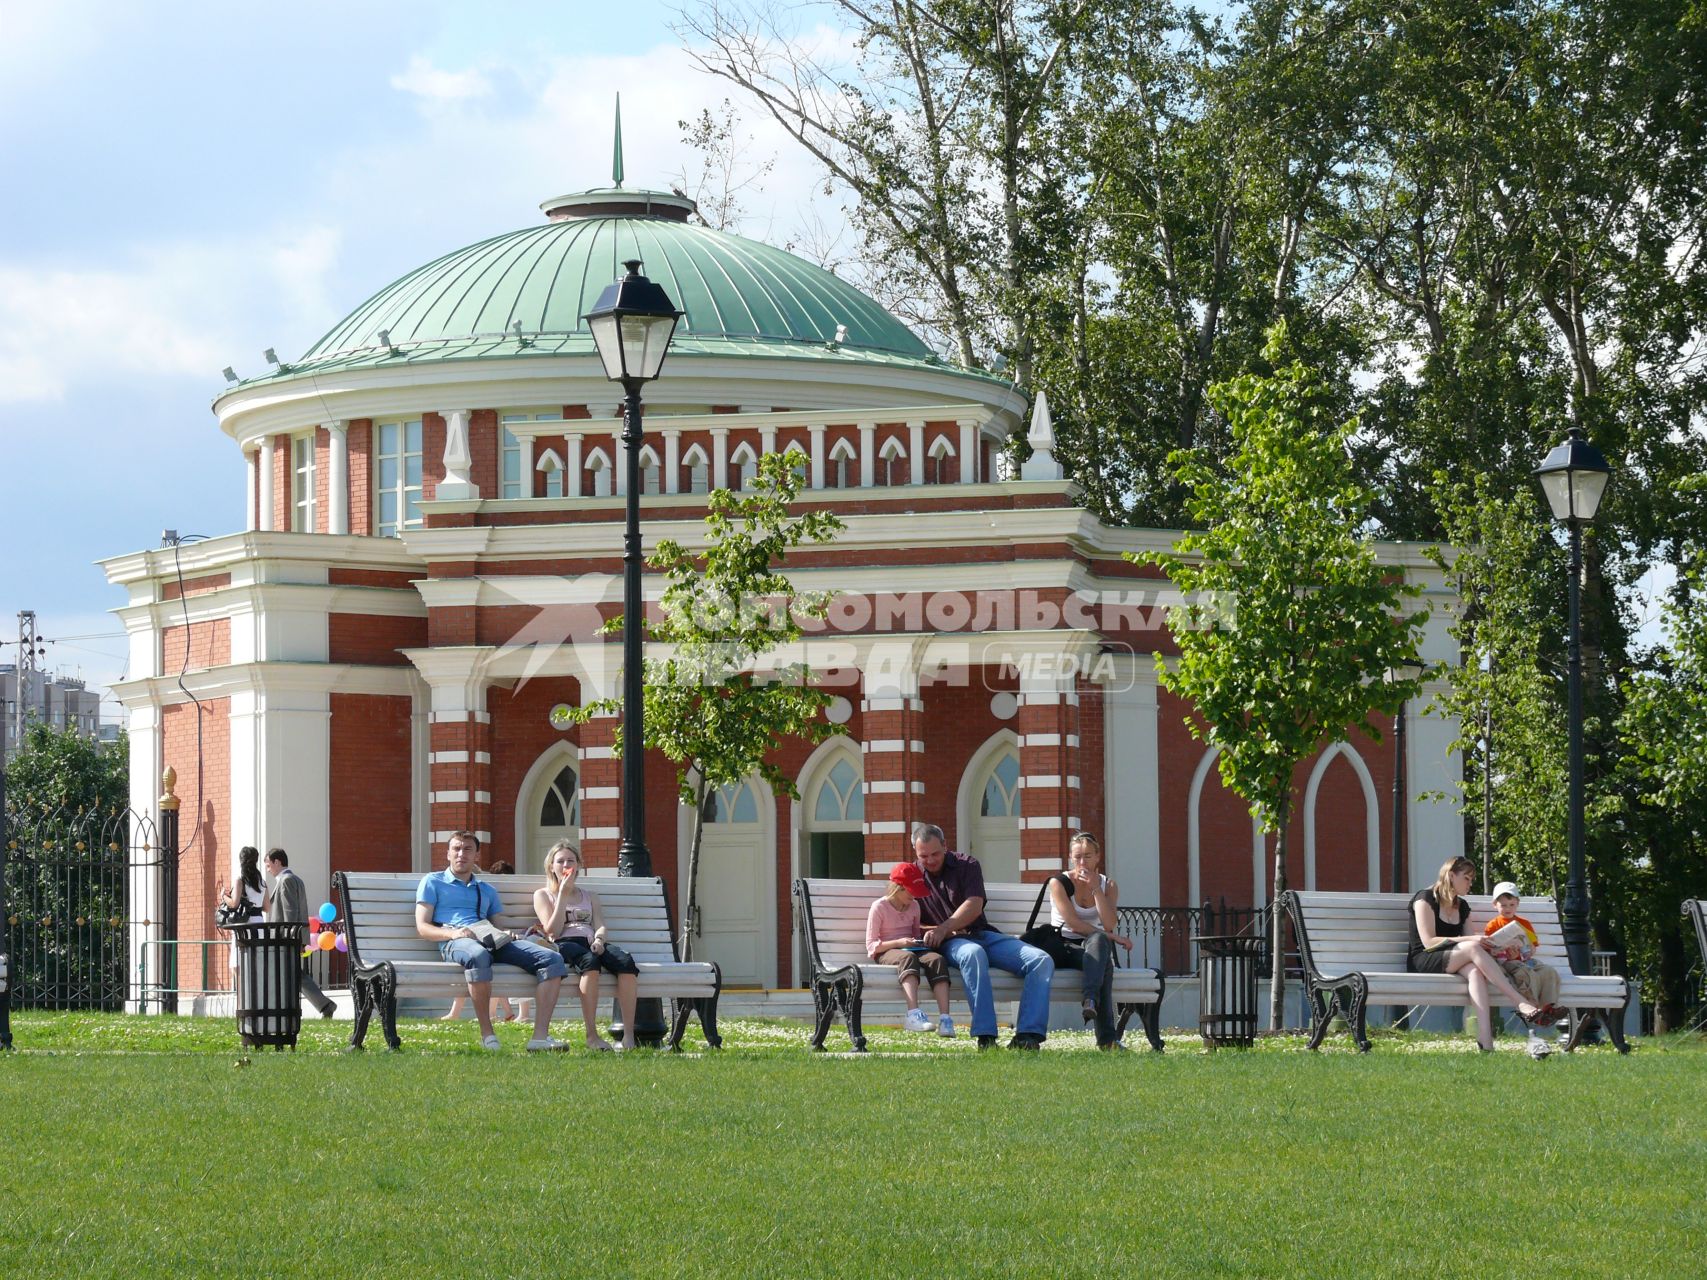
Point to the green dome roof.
(739, 297)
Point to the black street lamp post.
(1573, 476)
(632, 325)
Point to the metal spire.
(616, 153)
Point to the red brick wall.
(282, 478)
(208, 851)
(483, 449)
(209, 645)
(360, 437)
(522, 728)
(432, 454)
(370, 788)
(194, 586)
(372, 640)
(322, 480)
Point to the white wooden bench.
(388, 958)
(1353, 947)
(832, 914)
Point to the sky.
(188, 183)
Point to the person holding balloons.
(286, 902)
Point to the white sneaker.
(490, 1042)
(945, 1025)
(539, 1043)
(915, 1021)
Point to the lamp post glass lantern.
(1574, 476)
(632, 325)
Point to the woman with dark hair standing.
(1442, 912)
(250, 890)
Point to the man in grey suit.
(286, 902)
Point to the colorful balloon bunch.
(323, 932)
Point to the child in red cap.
(892, 936)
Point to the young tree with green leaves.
(1292, 629)
(713, 705)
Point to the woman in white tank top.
(1081, 933)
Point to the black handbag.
(237, 913)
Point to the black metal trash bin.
(269, 983)
(1227, 989)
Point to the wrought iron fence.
(1162, 936)
(71, 887)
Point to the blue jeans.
(975, 954)
(543, 962)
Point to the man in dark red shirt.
(953, 913)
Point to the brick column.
(1048, 727)
(893, 747)
(601, 792)
(459, 745)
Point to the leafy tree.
(1292, 626)
(709, 706)
(67, 833)
(1664, 723)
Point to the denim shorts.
(544, 963)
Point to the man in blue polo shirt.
(448, 905)
(954, 912)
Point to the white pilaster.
(338, 477)
(816, 433)
(573, 471)
(915, 453)
(968, 451)
(867, 454)
(672, 460)
(265, 523)
(720, 457)
(767, 441)
(1132, 781)
(526, 443)
(252, 483)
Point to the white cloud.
(424, 80)
(177, 309)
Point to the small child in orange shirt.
(1534, 980)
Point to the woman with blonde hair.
(1081, 932)
(1442, 912)
(570, 918)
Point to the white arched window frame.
(699, 469)
(551, 467)
(1371, 815)
(844, 465)
(651, 470)
(542, 783)
(746, 465)
(940, 448)
(888, 455)
(599, 464)
(510, 479)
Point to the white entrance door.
(995, 830)
(735, 921)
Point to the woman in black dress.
(1442, 912)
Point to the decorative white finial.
(458, 461)
(1041, 465)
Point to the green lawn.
(154, 1147)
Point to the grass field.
(155, 1147)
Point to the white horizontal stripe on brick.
(881, 745)
(447, 797)
(880, 868)
(1041, 780)
(603, 833)
(1040, 824)
(1043, 864)
(598, 753)
(886, 828)
(447, 757)
(601, 793)
(1040, 740)
(890, 787)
